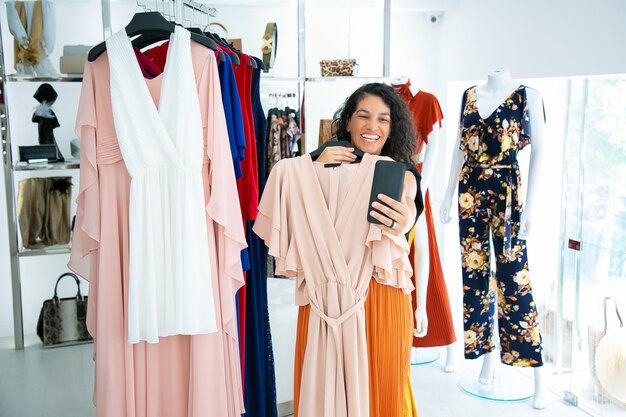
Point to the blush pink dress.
(314, 221)
(187, 376)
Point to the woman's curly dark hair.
(401, 144)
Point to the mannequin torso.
(496, 90)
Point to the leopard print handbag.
(337, 67)
(62, 320)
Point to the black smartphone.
(388, 180)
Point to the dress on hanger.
(170, 289)
(183, 375)
(259, 375)
(314, 221)
(426, 112)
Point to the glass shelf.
(47, 166)
(325, 79)
(346, 78)
(281, 79)
(61, 78)
(48, 250)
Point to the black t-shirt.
(419, 201)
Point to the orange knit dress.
(426, 112)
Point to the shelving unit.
(11, 167)
(15, 77)
(15, 251)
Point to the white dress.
(170, 288)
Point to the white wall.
(534, 39)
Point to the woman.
(375, 120)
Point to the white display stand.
(422, 356)
(507, 385)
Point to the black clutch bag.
(388, 180)
(62, 320)
(40, 153)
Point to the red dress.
(426, 112)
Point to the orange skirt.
(389, 327)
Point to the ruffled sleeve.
(223, 204)
(525, 130)
(432, 114)
(86, 235)
(273, 224)
(390, 258)
(465, 109)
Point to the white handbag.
(611, 358)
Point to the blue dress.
(259, 374)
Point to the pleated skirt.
(440, 326)
(389, 325)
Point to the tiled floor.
(58, 382)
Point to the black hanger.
(220, 54)
(252, 62)
(234, 57)
(344, 143)
(260, 63)
(155, 27)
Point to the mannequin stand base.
(506, 385)
(422, 356)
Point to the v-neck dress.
(314, 221)
(182, 375)
(170, 276)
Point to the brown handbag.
(62, 320)
(337, 67)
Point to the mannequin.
(34, 31)
(420, 261)
(427, 156)
(44, 116)
(489, 97)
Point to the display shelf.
(49, 250)
(346, 78)
(47, 166)
(325, 79)
(60, 78)
(281, 79)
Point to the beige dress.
(314, 221)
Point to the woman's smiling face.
(370, 124)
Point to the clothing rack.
(277, 95)
(178, 7)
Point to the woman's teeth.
(370, 138)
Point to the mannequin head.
(45, 93)
(375, 120)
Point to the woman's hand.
(400, 215)
(337, 155)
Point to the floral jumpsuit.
(490, 199)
